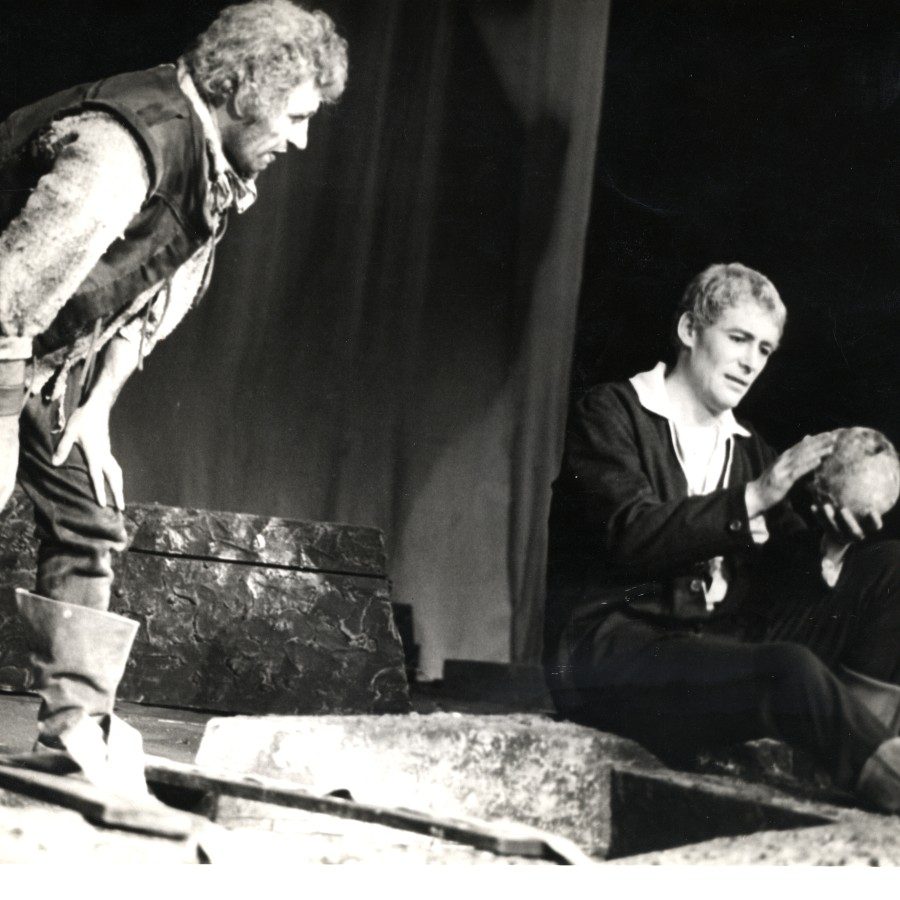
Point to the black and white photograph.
(450, 433)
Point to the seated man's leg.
(676, 691)
(855, 626)
(870, 587)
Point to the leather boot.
(880, 697)
(78, 657)
(879, 780)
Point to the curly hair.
(724, 285)
(258, 52)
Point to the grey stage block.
(551, 775)
(238, 613)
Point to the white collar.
(240, 191)
(650, 388)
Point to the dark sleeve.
(606, 496)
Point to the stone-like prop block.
(605, 793)
(522, 768)
(238, 613)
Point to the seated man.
(688, 604)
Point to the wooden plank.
(99, 806)
(506, 840)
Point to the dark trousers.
(678, 689)
(76, 536)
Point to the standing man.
(688, 605)
(113, 196)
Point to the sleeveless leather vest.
(170, 226)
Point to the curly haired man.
(112, 198)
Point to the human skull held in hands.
(862, 474)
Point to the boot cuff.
(52, 621)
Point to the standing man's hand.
(88, 427)
(773, 485)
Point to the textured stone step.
(604, 792)
(524, 768)
(238, 613)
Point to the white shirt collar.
(230, 186)
(652, 394)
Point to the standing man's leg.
(80, 649)
(77, 536)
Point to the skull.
(862, 474)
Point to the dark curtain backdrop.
(765, 132)
(388, 337)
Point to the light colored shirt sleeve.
(97, 184)
(759, 531)
(832, 561)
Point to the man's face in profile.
(253, 145)
(725, 358)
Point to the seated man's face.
(725, 358)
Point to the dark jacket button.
(735, 525)
(696, 585)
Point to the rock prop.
(862, 474)
(237, 613)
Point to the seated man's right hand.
(9, 456)
(840, 526)
(773, 485)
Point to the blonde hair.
(724, 285)
(259, 52)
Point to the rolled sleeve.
(15, 348)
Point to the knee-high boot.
(79, 656)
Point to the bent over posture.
(112, 198)
(688, 605)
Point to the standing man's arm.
(12, 389)
(98, 182)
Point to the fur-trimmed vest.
(171, 224)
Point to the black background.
(765, 133)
